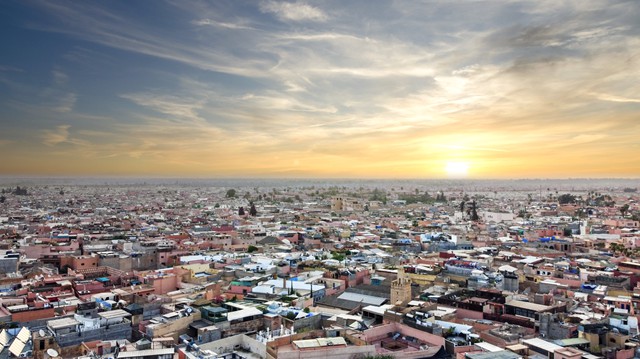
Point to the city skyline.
(397, 89)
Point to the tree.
(251, 249)
(378, 195)
(474, 212)
(624, 209)
(253, 211)
(616, 247)
(2, 199)
(339, 256)
(241, 211)
(523, 214)
(566, 198)
(231, 193)
(20, 191)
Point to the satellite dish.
(41, 332)
(52, 353)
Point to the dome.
(273, 308)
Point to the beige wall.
(174, 328)
(348, 352)
(382, 331)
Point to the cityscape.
(140, 268)
(286, 179)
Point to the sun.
(456, 169)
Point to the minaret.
(400, 288)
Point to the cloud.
(298, 11)
(221, 24)
(614, 98)
(66, 102)
(103, 26)
(59, 77)
(57, 136)
(179, 108)
(362, 86)
(4, 68)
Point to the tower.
(400, 289)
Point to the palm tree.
(624, 209)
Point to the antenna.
(52, 353)
(41, 332)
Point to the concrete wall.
(228, 344)
(625, 354)
(8, 265)
(243, 327)
(165, 284)
(314, 322)
(470, 314)
(82, 262)
(174, 328)
(348, 352)
(206, 335)
(113, 332)
(383, 331)
(33, 314)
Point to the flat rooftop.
(62, 323)
(112, 314)
(528, 305)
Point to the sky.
(320, 89)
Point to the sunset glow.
(456, 169)
(311, 89)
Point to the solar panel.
(4, 338)
(16, 347)
(24, 335)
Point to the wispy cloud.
(295, 11)
(221, 24)
(59, 77)
(4, 68)
(65, 102)
(178, 108)
(614, 98)
(54, 137)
